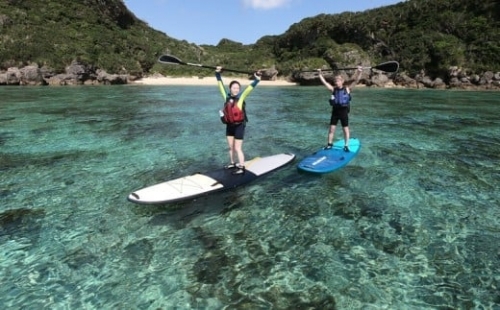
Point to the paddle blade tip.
(168, 59)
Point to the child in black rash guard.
(340, 100)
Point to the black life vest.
(232, 113)
(340, 97)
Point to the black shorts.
(235, 130)
(342, 114)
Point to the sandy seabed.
(205, 81)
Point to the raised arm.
(322, 79)
(222, 90)
(356, 77)
(249, 88)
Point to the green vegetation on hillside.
(420, 34)
(429, 35)
(103, 34)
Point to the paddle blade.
(390, 66)
(171, 60)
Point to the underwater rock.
(140, 251)
(208, 268)
(79, 258)
(4, 136)
(21, 223)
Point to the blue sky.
(244, 21)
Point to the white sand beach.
(204, 81)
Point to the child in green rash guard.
(235, 118)
(340, 101)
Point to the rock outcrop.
(75, 74)
(457, 79)
(80, 74)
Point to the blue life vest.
(340, 97)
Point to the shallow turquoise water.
(411, 223)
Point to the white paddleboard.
(203, 183)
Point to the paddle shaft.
(390, 66)
(172, 60)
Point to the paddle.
(172, 60)
(390, 66)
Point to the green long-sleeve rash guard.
(241, 96)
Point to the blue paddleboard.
(325, 161)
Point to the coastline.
(197, 81)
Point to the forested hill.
(101, 33)
(423, 35)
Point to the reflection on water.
(411, 223)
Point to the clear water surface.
(412, 223)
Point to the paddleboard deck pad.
(199, 184)
(326, 161)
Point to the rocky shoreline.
(78, 74)
(456, 79)
(75, 74)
